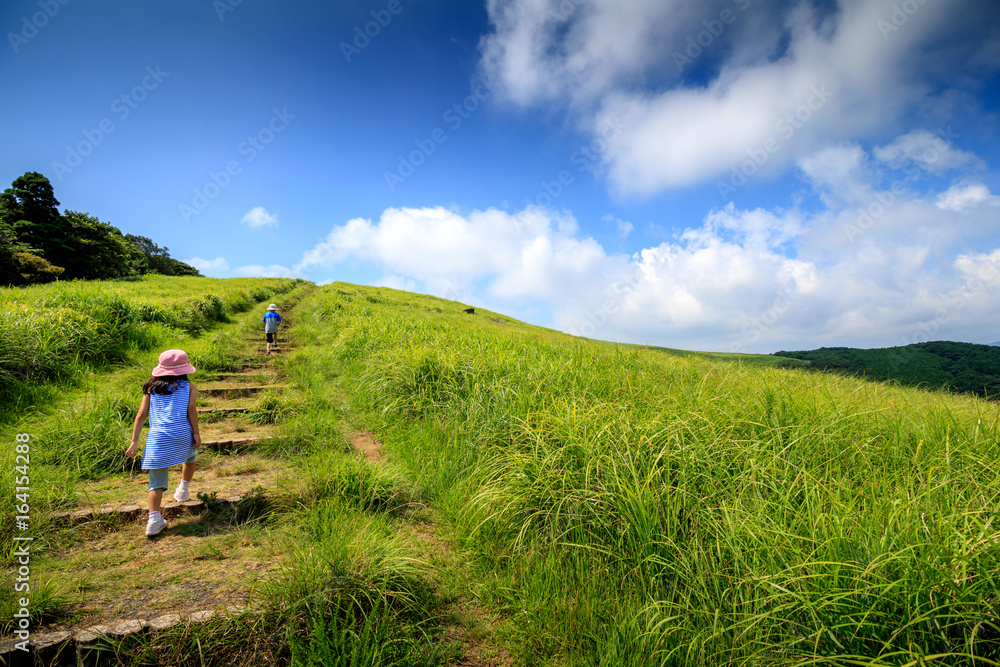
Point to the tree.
(39, 244)
(34, 269)
(100, 251)
(158, 258)
(179, 268)
(19, 266)
(28, 207)
(9, 246)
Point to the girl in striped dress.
(168, 399)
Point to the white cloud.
(398, 282)
(533, 253)
(270, 271)
(776, 83)
(207, 266)
(624, 227)
(258, 217)
(839, 171)
(981, 266)
(961, 197)
(931, 152)
(876, 265)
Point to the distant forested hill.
(959, 367)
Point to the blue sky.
(729, 175)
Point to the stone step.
(95, 645)
(169, 508)
(239, 391)
(240, 376)
(226, 445)
(225, 411)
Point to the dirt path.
(212, 552)
(468, 624)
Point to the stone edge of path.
(83, 647)
(130, 512)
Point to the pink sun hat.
(173, 362)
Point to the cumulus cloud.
(258, 217)
(837, 171)
(876, 265)
(981, 266)
(533, 253)
(961, 197)
(209, 266)
(624, 227)
(930, 151)
(398, 282)
(270, 271)
(765, 82)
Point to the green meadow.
(601, 504)
(57, 332)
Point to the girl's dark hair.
(163, 385)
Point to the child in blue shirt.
(271, 320)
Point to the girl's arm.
(140, 420)
(193, 413)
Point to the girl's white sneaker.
(154, 526)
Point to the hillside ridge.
(958, 367)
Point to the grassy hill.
(773, 360)
(607, 505)
(625, 507)
(959, 367)
(56, 332)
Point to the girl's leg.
(183, 491)
(155, 498)
(157, 485)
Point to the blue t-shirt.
(270, 321)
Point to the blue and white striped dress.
(169, 440)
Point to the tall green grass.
(79, 413)
(350, 589)
(628, 508)
(55, 332)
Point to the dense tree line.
(38, 244)
(959, 367)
